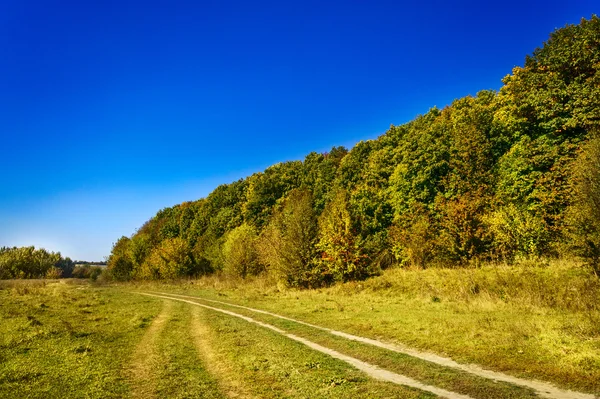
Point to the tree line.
(505, 175)
(29, 262)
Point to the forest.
(502, 176)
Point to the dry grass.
(539, 321)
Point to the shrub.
(171, 259)
(342, 255)
(53, 273)
(120, 264)
(412, 239)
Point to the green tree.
(319, 173)
(412, 238)
(172, 259)
(65, 265)
(341, 249)
(584, 213)
(240, 256)
(557, 92)
(287, 244)
(119, 264)
(266, 188)
(517, 232)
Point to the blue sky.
(112, 110)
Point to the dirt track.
(543, 389)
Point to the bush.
(342, 255)
(462, 234)
(54, 273)
(171, 259)
(87, 271)
(120, 264)
(412, 239)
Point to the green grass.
(180, 372)
(420, 370)
(64, 340)
(68, 339)
(272, 366)
(540, 322)
(59, 340)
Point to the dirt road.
(542, 389)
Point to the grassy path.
(216, 364)
(169, 361)
(479, 388)
(76, 340)
(369, 369)
(145, 357)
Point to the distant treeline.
(28, 262)
(499, 176)
(85, 262)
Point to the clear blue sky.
(112, 110)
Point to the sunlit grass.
(61, 340)
(538, 321)
(74, 339)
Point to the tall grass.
(557, 284)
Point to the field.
(190, 339)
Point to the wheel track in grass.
(543, 389)
(229, 385)
(145, 355)
(369, 369)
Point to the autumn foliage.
(498, 176)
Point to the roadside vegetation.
(509, 177)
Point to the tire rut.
(543, 389)
(369, 369)
(145, 356)
(214, 364)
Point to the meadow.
(75, 338)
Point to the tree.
(239, 252)
(120, 264)
(517, 232)
(27, 262)
(584, 213)
(412, 238)
(287, 245)
(170, 260)
(341, 249)
(66, 266)
(266, 188)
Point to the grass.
(60, 340)
(180, 372)
(425, 372)
(65, 340)
(272, 366)
(74, 339)
(540, 322)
